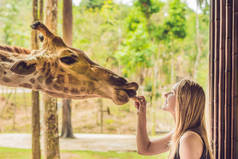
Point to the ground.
(15, 116)
(93, 142)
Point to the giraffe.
(61, 71)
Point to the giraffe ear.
(23, 68)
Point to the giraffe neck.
(14, 49)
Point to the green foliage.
(99, 32)
(12, 19)
(92, 4)
(148, 7)
(174, 25)
(136, 50)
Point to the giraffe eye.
(69, 59)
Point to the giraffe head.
(66, 72)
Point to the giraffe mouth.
(130, 89)
(121, 84)
(123, 89)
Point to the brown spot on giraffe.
(57, 87)
(66, 90)
(5, 79)
(4, 58)
(26, 85)
(74, 91)
(49, 80)
(32, 80)
(40, 78)
(60, 79)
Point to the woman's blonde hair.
(189, 113)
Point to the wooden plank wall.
(223, 78)
(234, 92)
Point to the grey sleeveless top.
(205, 154)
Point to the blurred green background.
(153, 42)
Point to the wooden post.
(228, 77)
(224, 77)
(216, 77)
(211, 69)
(221, 81)
(234, 92)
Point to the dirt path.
(92, 142)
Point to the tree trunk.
(199, 50)
(51, 136)
(41, 9)
(67, 22)
(67, 131)
(36, 152)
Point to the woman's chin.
(165, 107)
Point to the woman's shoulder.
(188, 135)
(191, 145)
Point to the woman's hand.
(140, 104)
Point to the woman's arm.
(144, 145)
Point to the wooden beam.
(216, 78)
(211, 69)
(228, 82)
(234, 92)
(221, 83)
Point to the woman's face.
(170, 100)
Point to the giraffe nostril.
(131, 93)
(116, 80)
(22, 68)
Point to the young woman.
(186, 102)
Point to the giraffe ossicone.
(61, 71)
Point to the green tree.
(36, 152)
(148, 7)
(10, 12)
(92, 4)
(136, 50)
(170, 34)
(67, 130)
(51, 134)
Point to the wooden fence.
(224, 78)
